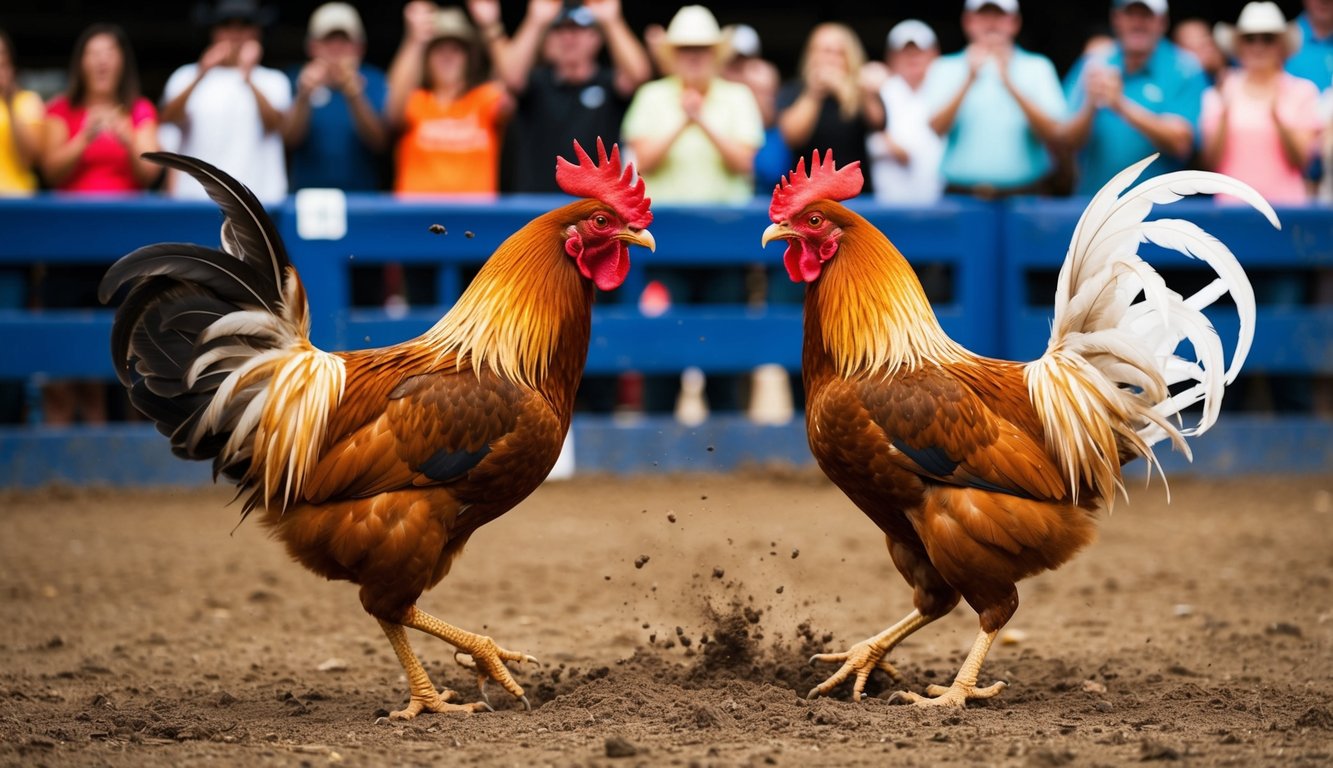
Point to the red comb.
(605, 181)
(797, 190)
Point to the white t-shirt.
(908, 123)
(222, 127)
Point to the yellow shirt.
(15, 177)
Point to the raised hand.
(603, 10)
(419, 21)
(216, 55)
(247, 58)
(543, 12)
(313, 75)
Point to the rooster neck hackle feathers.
(870, 310)
(526, 300)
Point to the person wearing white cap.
(1140, 97)
(335, 130)
(564, 93)
(694, 135)
(831, 107)
(998, 107)
(905, 156)
(1262, 125)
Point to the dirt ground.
(672, 617)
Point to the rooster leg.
(424, 696)
(487, 657)
(867, 656)
(964, 686)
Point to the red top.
(105, 164)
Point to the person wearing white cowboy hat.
(1262, 124)
(1140, 97)
(693, 134)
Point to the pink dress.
(105, 165)
(1252, 150)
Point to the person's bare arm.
(942, 121)
(143, 138)
(269, 116)
(629, 58)
(25, 135)
(297, 124)
(174, 110)
(61, 151)
(649, 153)
(797, 122)
(405, 73)
(515, 56)
(1047, 128)
(1297, 143)
(1213, 141)
(1172, 134)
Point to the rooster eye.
(816, 220)
(599, 220)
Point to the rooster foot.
(438, 703)
(488, 660)
(862, 659)
(956, 695)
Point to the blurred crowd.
(471, 108)
(468, 107)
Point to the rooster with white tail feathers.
(983, 472)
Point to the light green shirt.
(693, 170)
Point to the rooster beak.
(778, 231)
(643, 237)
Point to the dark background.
(165, 36)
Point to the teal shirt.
(1171, 82)
(1314, 61)
(990, 141)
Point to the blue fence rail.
(987, 252)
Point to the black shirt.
(550, 115)
(847, 138)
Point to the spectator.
(905, 156)
(20, 127)
(20, 144)
(92, 141)
(747, 66)
(227, 109)
(997, 106)
(96, 131)
(1139, 98)
(1262, 124)
(695, 135)
(1196, 36)
(1314, 58)
(831, 107)
(335, 130)
(564, 93)
(449, 114)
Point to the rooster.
(982, 472)
(375, 466)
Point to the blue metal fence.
(988, 252)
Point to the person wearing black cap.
(551, 66)
(226, 108)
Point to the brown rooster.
(982, 472)
(375, 466)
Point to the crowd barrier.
(988, 255)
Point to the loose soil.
(672, 617)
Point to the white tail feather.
(1102, 388)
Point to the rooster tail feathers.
(1111, 383)
(214, 346)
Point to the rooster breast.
(944, 460)
(424, 461)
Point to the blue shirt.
(1314, 61)
(1170, 82)
(332, 154)
(990, 141)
